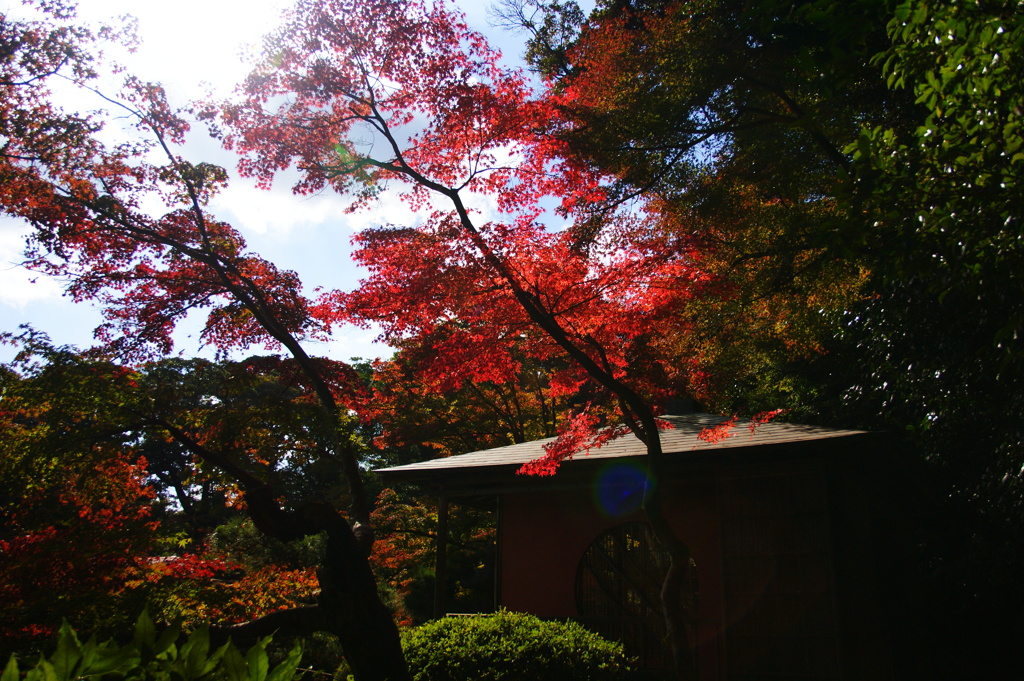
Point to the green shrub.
(154, 657)
(507, 646)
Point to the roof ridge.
(674, 441)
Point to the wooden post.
(497, 553)
(441, 559)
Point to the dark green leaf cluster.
(155, 656)
(552, 26)
(855, 169)
(239, 541)
(937, 350)
(948, 192)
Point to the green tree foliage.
(937, 351)
(123, 218)
(854, 168)
(727, 122)
(947, 193)
(82, 534)
(423, 407)
(254, 413)
(941, 343)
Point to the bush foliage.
(154, 656)
(507, 646)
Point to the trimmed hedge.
(507, 646)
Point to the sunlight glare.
(189, 45)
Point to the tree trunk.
(354, 611)
(349, 605)
(676, 617)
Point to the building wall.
(765, 539)
(544, 534)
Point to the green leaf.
(88, 655)
(195, 652)
(902, 12)
(145, 632)
(11, 670)
(217, 656)
(921, 14)
(68, 654)
(285, 671)
(234, 665)
(108, 658)
(257, 662)
(167, 638)
(47, 671)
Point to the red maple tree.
(358, 95)
(91, 205)
(76, 519)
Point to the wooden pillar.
(441, 558)
(497, 552)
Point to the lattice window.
(618, 591)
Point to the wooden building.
(795, 541)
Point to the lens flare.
(619, 489)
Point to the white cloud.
(349, 342)
(252, 210)
(189, 43)
(388, 209)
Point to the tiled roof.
(682, 438)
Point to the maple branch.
(245, 477)
(42, 75)
(514, 421)
(704, 133)
(804, 121)
(549, 323)
(247, 292)
(261, 499)
(303, 620)
(530, 302)
(504, 414)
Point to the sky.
(192, 46)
